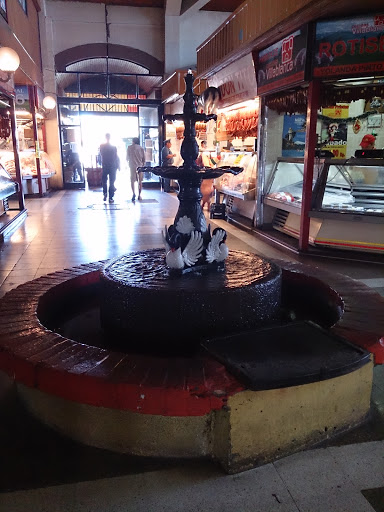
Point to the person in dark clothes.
(167, 159)
(110, 163)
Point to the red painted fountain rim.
(42, 359)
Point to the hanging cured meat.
(180, 132)
(242, 123)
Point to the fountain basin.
(183, 310)
(185, 406)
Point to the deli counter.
(238, 191)
(241, 185)
(347, 209)
(8, 187)
(29, 170)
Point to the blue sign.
(293, 144)
(22, 98)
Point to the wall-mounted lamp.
(9, 62)
(49, 103)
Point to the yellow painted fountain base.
(254, 428)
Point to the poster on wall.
(293, 144)
(349, 46)
(283, 63)
(22, 98)
(334, 130)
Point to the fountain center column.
(188, 242)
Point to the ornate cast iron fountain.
(189, 242)
(145, 401)
(190, 293)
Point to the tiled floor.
(40, 471)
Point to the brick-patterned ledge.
(42, 359)
(359, 308)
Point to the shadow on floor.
(35, 456)
(375, 497)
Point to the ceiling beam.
(173, 7)
(192, 6)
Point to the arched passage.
(113, 51)
(103, 80)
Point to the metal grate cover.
(286, 355)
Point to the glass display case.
(285, 187)
(28, 164)
(347, 208)
(28, 169)
(8, 187)
(243, 185)
(353, 186)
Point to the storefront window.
(351, 117)
(284, 126)
(148, 116)
(149, 139)
(71, 146)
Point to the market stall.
(12, 207)
(35, 165)
(28, 167)
(319, 181)
(233, 138)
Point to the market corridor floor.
(42, 471)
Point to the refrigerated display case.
(28, 169)
(238, 191)
(242, 185)
(8, 187)
(347, 210)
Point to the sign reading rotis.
(349, 46)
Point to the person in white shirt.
(135, 159)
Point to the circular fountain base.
(187, 406)
(145, 301)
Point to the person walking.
(167, 159)
(135, 159)
(109, 163)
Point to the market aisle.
(341, 479)
(73, 227)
